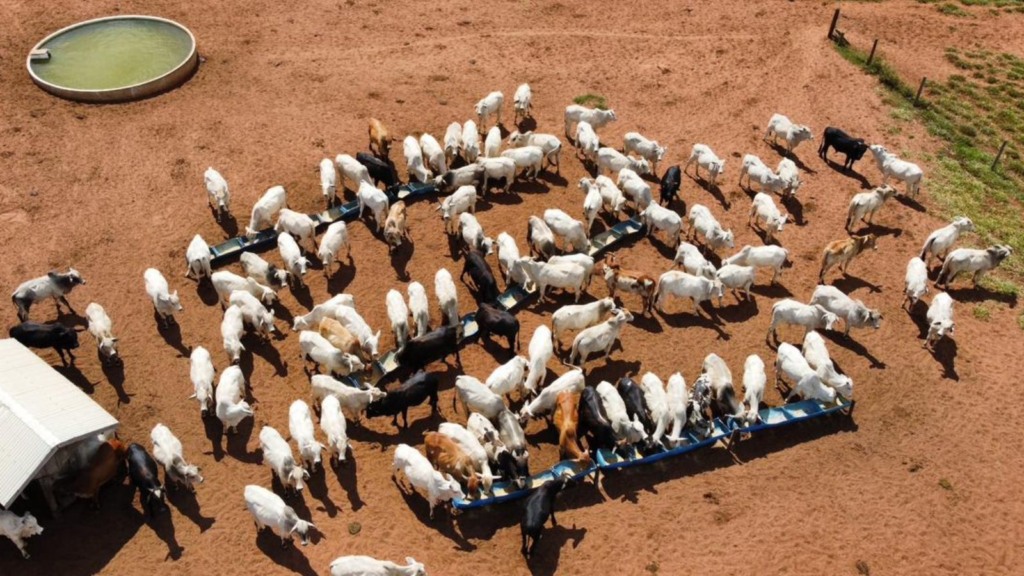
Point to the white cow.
(816, 354)
(333, 424)
(353, 401)
(398, 314)
(756, 171)
(294, 261)
(500, 168)
(488, 106)
(586, 142)
(492, 143)
(683, 285)
(167, 303)
(678, 402)
(656, 217)
(567, 227)
(810, 316)
(754, 379)
(100, 326)
(334, 239)
(703, 223)
(54, 285)
(789, 173)
(599, 338)
(611, 196)
(422, 475)
(231, 409)
(472, 448)
(540, 238)
(522, 102)
(705, 158)
(262, 271)
(773, 257)
(580, 316)
(352, 170)
(853, 312)
(217, 192)
(350, 319)
(940, 319)
(369, 196)
(736, 277)
(972, 260)
(891, 166)
(793, 134)
(650, 150)
(414, 160)
(529, 158)
(269, 510)
(941, 241)
(419, 306)
(201, 373)
(225, 282)
(629, 431)
(584, 260)
(548, 143)
(473, 234)
(320, 311)
(231, 329)
(508, 253)
(447, 296)
(18, 528)
(541, 351)
(433, 154)
(566, 275)
(452, 141)
(167, 451)
(263, 212)
(319, 350)
(791, 364)
(764, 208)
(915, 282)
(470, 141)
(864, 205)
(277, 455)
(253, 312)
(461, 201)
(689, 258)
(477, 397)
(300, 426)
(367, 566)
(197, 257)
(657, 404)
(545, 401)
(508, 377)
(328, 181)
(612, 160)
(574, 114)
(635, 187)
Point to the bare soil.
(923, 480)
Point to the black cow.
(380, 171)
(484, 285)
(854, 148)
(594, 423)
(54, 335)
(539, 506)
(636, 404)
(670, 182)
(413, 392)
(146, 479)
(496, 320)
(434, 345)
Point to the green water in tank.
(113, 54)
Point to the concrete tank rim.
(170, 79)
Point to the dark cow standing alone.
(413, 392)
(380, 171)
(145, 478)
(495, 320)
(670, 182)
(854, 148)
(56, 336)
(539, 506)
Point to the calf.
(763, 208)
(522, 102)
(495, 320)
(567, 420)
(18, 528)
(941, 241)
(447, 297)
(703, 156)
(277, 455)
(100, 327)
(842, 252)
(575, 114)
(598, 338)
(262, 271)
(197, 259)
(891, 166)
(683, 285)
(485, 288)
(650, 150)
(817, 357)
(201, 373)
(434, 345)
(231, 409)
(56, 336)
(422, 475)
(629, 281)
(539, 506)
(217, 193)
(380, 171)
(168, 452)
(422, 386)
(395, 226)
(488, 106)
(263, 211)
(940, 319)
(915, 282)
(865, 204)
(269, 510)
(541, 351)
(793, 134)
(333, 425)
(853, 312)
(367, 566)
(670, 182)
(294, 261)
(853, 148)
(972, 260)
(380, 138)
(56, 285)
(331, 244)
(774, 257)
(811, 317)
(105, 463)
(145, 477)
(300, 426)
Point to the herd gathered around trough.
(472, 458)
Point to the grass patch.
(1020, 321)
(982, 313)
(972, 116)
(592, 100)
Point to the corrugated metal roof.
(40, 411)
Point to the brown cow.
(632, 281)
(380, 138)
(343, 340)
(449, 458)
(566, 419)
(396, 227)
(841, 252)
(104, 465)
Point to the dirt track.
(113, 190)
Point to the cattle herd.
(464, 461)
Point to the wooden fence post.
(871, 56)
(919, 90)
(832, 27)
(999, 155)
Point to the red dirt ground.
(924, 479)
